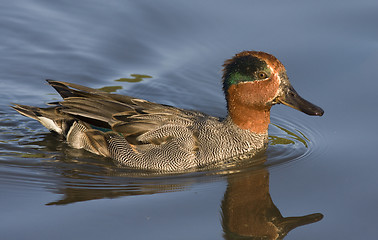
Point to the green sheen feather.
(238, 77)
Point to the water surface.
(171, 53)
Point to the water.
(171, 53)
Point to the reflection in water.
(134, 78)
(110, 89)
(130, 187)
(278, 140)
(248, 211)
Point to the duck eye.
(262, 75)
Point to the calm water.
(171, 52)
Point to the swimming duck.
(140, 134)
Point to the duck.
(139, 134)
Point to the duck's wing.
(139, 121)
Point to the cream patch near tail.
(49, 124)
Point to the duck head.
(253, 82)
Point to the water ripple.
(291, 141)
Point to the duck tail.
(77, 133)
(27, 111)
(48, 117)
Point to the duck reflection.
(248, 211)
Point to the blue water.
(313, 165)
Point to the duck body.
(140, 134)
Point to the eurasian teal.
(140, 134)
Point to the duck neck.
(246, 113)
(254, 120)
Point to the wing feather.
(138, 120)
